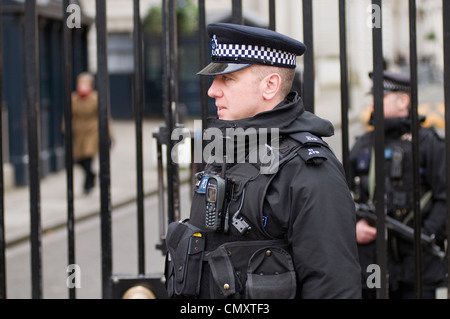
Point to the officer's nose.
(214, 90)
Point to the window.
(120, 53)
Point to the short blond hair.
(85, 77)
(287, 76)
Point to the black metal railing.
(2, 189)
(170, 112)
(32, 101)
(381, 243)
(68, 75)
(446, 27)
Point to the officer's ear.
(404, 100)
(271, 85)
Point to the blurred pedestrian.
(85, 127)
(85, 135)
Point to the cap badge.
(214, 43)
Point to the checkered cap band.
(237, 52)
(394, 86)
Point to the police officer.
(399, 193)
(260, 228)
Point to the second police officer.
(399, 194)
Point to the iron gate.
(113, 286)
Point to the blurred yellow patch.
(434, 113)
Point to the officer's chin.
(222, 114)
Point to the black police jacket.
(399, 192)
(307, 203)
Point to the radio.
(216, 193)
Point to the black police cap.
(235, 47)
(394, 82)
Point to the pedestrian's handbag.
(185, 245)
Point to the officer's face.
(395, 104)
(238, 94)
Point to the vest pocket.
(271, 275)
(223, 281)
(185, 245)
(259, 269)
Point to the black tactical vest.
(244, 261)
(398, 176)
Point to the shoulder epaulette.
(311, 150)
(307, 138)
(439, 133)
(431, 132)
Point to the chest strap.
(371, 187)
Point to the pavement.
(53, 187)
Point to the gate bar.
(308, 86)
(272, 15)
(161, 206)
(236, 12)
(105, 177)
(344, 88)
(170, 103)
(2, 192)
(32, 89)
(174, 85)
(203, 79)
(446, 33)
(138, 115)
(380, 207)
(203, 59)
(415, 149)
(68, 73)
